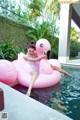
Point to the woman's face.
(31, 51)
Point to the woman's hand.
(43, 56)
(40, 57)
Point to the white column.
(64, 38)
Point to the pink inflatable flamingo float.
(20, 69)
(8, 73)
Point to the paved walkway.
(22, 107)
(73, 62)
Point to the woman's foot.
(67, 74)
(28, 93)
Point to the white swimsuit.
(31, 66)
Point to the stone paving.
(21, 107)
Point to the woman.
(31, 59)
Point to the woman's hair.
(31, 45)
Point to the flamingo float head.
(43, 47)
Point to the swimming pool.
(64, 97)
(67, 99)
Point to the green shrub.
(74, 48)
(78, 46)
(8, 50)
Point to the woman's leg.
(33, 79)
(60, 70)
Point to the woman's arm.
(33, 59)
(60, 70)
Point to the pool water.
(67, 99)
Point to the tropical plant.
(45, 30)
(40, 16)
(74, 44)
(74, 34)
(8, 50)
(27, 12)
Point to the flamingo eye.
(41, 45)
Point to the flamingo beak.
(47, 53)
